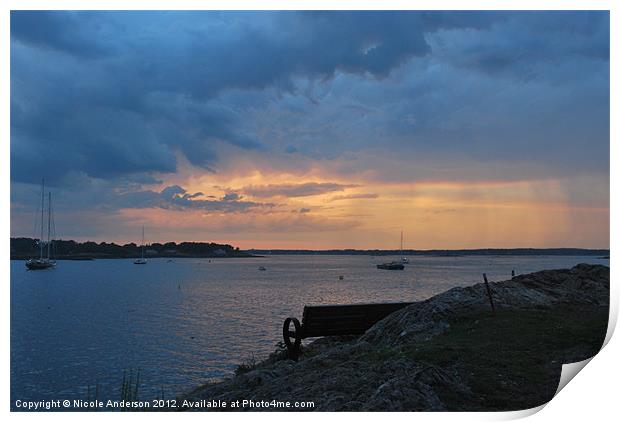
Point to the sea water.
(183, 323)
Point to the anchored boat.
(43, 261)
(395, 265)
(142, 260)
(391, 266)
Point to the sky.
(313, 130)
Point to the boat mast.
(401, 243)
(49, 223)
(142, 242)
(42, 211)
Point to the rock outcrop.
(582, 284)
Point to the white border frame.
(590, 396)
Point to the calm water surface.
(191, 320)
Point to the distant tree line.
(24, 247)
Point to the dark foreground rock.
(445, 353)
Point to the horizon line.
(341, 249)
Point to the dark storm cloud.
(114, 93)
(530, 91)
(61, 31)
(526, 41)
(120, 95)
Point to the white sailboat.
(141, 260)
(43, 261)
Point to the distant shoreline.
(603, 253)
(25, 248)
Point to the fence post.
(486, 283)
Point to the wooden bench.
(334, 320)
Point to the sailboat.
(403, 259)
(141, 260)
(43, 261)
(394, 265)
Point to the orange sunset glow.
(365, 214)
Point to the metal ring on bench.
(293, 348)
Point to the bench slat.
(364, 325)
(341, 310)
(339, 324)
(352, 309)
(335, 332)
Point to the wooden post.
(513, 273)
(486, 283)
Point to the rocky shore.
(447, 353)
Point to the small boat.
(44, 262)
(340, 277)
(142, 260)
(391, 266)
(395, 265)
(261, 268)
